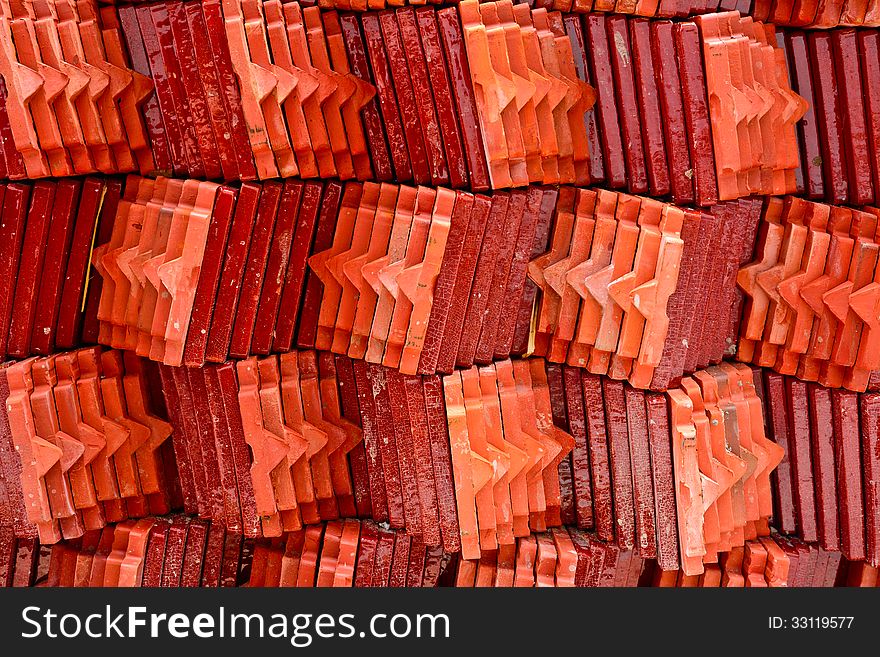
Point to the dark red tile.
(30, 268)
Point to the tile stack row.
(473, 460)
(410, 277)
(816, 14)
(70, 99)
(46, 235)
(169, 551)
(770, 561)
(298, 92)
(804, 13)
(566, 558)
(562, 557)
(753, 109)
(826, 488)
(250, 90)
(178, 551)
(151, 261)
(346, 553)
(838, 73)
(638, 289)
(811, 294)
(306, 460)
(722, 461)
(646, 8)
(662, 122)
(680, 505)
(82, 444)
(478, 95)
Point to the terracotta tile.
(180, 440)
(384, 556)
(356, 270)
(377, 378)
(493, 95)
(846, 336)
(735, 472)
(30, 268)
(209, 277)
(232, 552)
(622, 65)
(70, 422)
(165, 56)
(424, 276)
(366, 554)
(690, 521)
(596, 167)
(378, 498)
(406, 99)
(59, 451)
(821, 437)
(611, 139)
(559, 447)
(799, 429)
(324, 263)
(551, 262)
(22, 84)
(481, 288)
(362, 93)
(253, 279)
(584, 556)
(506, 36)
(584, 99)
(812, 267)
(438, 75)
(229, 91)
(329, 554)
(385, 93)
(348, 435)
(284, 414)
(400, 560)
(354, 44)
(258, 83)
(829, 121)
(277, 266)
(599, 459)
(724, 283)
(416, 86)
(377, 303)
(653, 299)
(303, 80)
(211, 79)
(850, 495)
(193, 443)
(543, 164)
(141, 252)
(179, 274)
(268, 450)
(724, 502)
(578, 277)
(543, 208)
(696, 114)
(231, 515)
(406, 455)
(581, 485)
(194, 91)
(51, 85)
(357, 458)
(443, 480)
(343, 90)
(205, 439)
